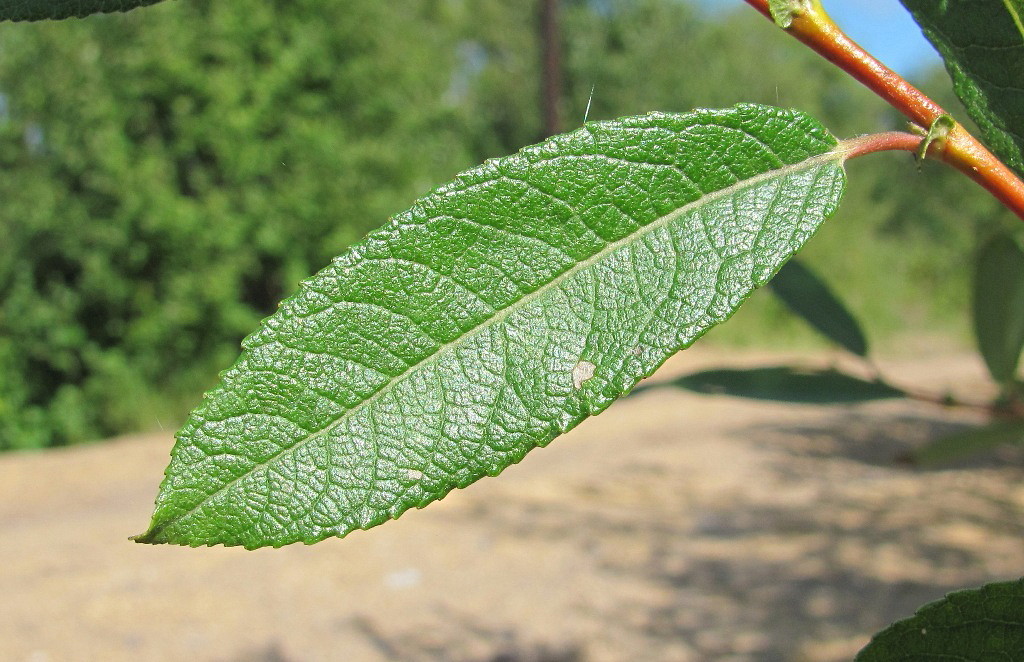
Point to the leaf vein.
(502, 314)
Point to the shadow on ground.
(674, 527)
(806, 577)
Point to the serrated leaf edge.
(836, 154)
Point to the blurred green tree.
(170, 174)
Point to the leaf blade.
(998, 306)
(807, 295)
(500, 311)
(975, 624)
(982, 45)
(38, 10)
(973, 441)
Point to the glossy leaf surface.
(982, 44)
(999, 306)
(36, 10)
(979, 624)
(785, 384)
(499, 312)
(808, 296)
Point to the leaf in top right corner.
(999, 306)
(982, 43)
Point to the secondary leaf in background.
(787, 384)
(985, 623)
(499, 312)
(809, 297)
(36, 10)
(982, 44)
(999, 306)
(970, 442)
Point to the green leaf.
(985, 623)
(809, 297)
(785, 384)
(999, 306)
(949, 449)
(982, 43)
(37, 10)
(497, 313)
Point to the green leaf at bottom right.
(973, 625)
(970, 442)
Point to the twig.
(810, 24)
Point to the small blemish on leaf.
(413, 474)
(581, 372)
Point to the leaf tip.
(145, 538)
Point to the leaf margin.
(834, 156)
(880, 648)
(42, 10)
(1001, 131)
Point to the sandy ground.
(673, 527)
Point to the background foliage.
(170, 174)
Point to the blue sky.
(882, 27)
(886, 30)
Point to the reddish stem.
(880, 142)
(959, 149)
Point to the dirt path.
(672, 527)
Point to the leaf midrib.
(834, 154)
(1015, 15)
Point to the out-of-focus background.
(171, 173)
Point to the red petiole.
(960, 149)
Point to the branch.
(808, 22)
